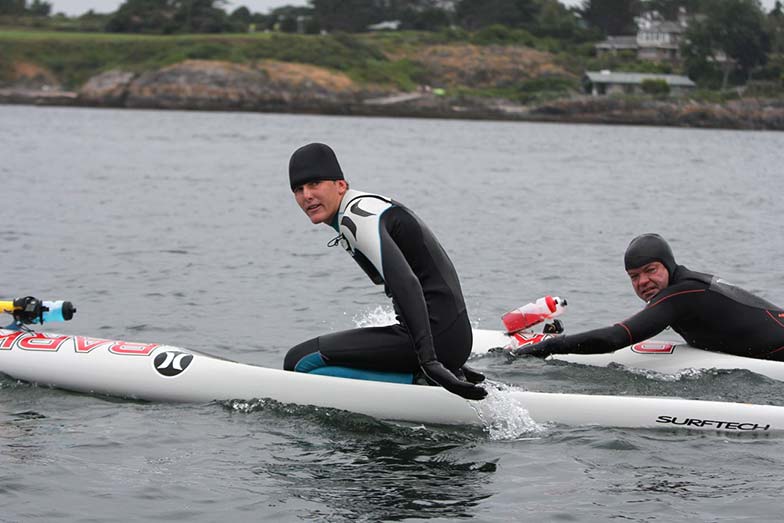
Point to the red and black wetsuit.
(708, 312)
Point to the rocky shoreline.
(297, 88)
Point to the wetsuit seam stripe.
(629, 332)
(380, 247)
(777, 321)
(376, 196)
(652, 305)
(776, 350)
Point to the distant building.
(656, 40)
(389, 25)
(660, 42)
(600, 83)
(615, 44)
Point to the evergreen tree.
(732, 28)
(351, 16)
(242, 14)
(775, 28)
(39, 8)
(287, 19)
(201, 16)
(288, 24)
(422, 15)
(669, 9)
(474, 14)
(612, 17)
(144, 16)
(12, 7)
(171, 16)
(555, 20)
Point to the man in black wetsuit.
(708, 312)
(395, 249)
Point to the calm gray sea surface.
(180, 228)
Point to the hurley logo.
(172, 363)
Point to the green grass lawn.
(75, 57)
(28, 36)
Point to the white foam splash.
(377, 317)
(503, 417)
(668, 376)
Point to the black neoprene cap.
(647, 248)
(313, 162)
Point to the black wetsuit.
(706, 311)
(395, 249)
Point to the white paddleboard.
(165, 373)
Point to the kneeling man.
(397, 250)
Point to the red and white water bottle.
(529, 315)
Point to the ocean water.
(180, 228)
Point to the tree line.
(593, 19)
(723, 36)
(542, 17)
(38, 8)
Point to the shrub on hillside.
(500, 34)
(655, 87)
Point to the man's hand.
(471, 375)
(540, 350)
(435, 371)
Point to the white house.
(606, 82)
(657, 39)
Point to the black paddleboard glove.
(436, 372)
(544, 348)
(471, 375)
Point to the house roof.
(608, 77)
(618, 42)
(388, 25)
(663, 27)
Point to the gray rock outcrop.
(108, 89)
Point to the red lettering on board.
(527, 338)
(39, 341)
(7, 340)
(83, 345)
(134, 349)
(653, 347)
